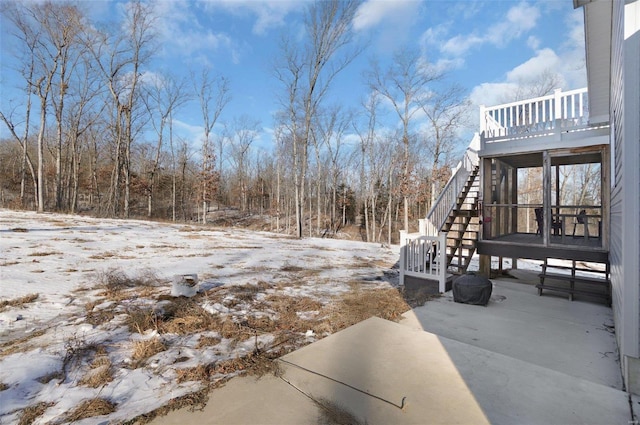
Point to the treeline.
(94, 129)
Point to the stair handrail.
(446, 201)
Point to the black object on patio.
(472, 289)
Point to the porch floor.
(568, 241)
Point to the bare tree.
(84, 114)
(367, 136)
(62, 24)
(306, 72)
(404, 84)
(446, 112)
(164, 95)
(332, 126)
(241, 135)
(27, 36)
(121, 59)
(33, 24)
(213, 95)
(538, 85)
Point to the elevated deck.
(556, 121)
(526, 245)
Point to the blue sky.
(486, 47)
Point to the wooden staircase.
(462, 225)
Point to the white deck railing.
(447, 199)
(560, 111)
(423, 257)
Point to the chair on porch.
(556, 225)
(581, 218)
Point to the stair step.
(456, 245)
(460, 241)
(463, 232)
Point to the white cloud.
(182, 33)
(460, 44)
(435, 35)
(544, 60)
(566, 67)
(533, 42)
(489, 94)
(374, 12)
(269, 14)
(392, 20)
(572, 51)
(518, 20)
(522, 17)
(443, 65)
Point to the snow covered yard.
(89, 331)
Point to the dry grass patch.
(416, 297)
(91, 408)
(362, 263)
(58, 222)
(19, 345)
(335, 414)
(256, 363)
(291, 268)
(247, 292)
(19, 230)
(98, 317)
(164, 246)
(31, 413)
(115, 280)
(189, 229)
(181, 316)
(9, 263)
(3, 386)
(44, 253)
(102, 256)
(186, 316)
(18, 302)
(200, 373)
(78, 353)
(195, 401)
(144, 349)
(361, 304)
(141, 319)
(287, 309)
(208, 341)
(100, 374)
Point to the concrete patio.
(522, 359)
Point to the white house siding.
(616, 113)
(625, 193)
(632, 176)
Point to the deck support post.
(546, 201)
(485, 266)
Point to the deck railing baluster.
(552, 113)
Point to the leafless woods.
(93, 127)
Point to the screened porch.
(547, 199)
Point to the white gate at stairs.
(423, 257)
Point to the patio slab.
(369, 368)
(573, 337)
